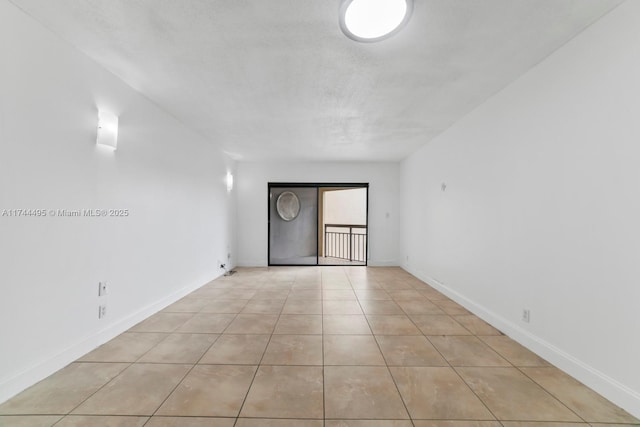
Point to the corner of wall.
(590, 376)
(32, 374)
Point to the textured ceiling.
(267, 79)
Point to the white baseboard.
(370, 263)
(610, 388)
(252, 263)
(376, 263)
(54, 363)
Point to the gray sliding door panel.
(294, 241)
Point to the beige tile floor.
(312, 346)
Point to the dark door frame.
(317, 185)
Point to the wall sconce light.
(107, 129)
(229, 181)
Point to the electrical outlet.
(526, 316)
(102, 311)
(102, 289)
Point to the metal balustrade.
(346, 241)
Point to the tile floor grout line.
(324, 387)
(161, 341)
(462, 379)
(244, 400)
(386, 365)
(452, 367)
(112, 379)
(447, 360)
(394, 382)
(174, 389)
(190, 370)
(476, 394)
(394, 283)
(549, 393)
(92, 394)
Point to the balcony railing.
(346, 241)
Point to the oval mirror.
(288, 206)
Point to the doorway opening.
(318, 224)
(342, 224)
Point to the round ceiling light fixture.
(373, 20)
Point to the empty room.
(319, 213)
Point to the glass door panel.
(293, 225)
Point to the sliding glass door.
(293, 222)
(318, 224)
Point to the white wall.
(171, 180)
(542, 206)
(345, 206)
(383, 179)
